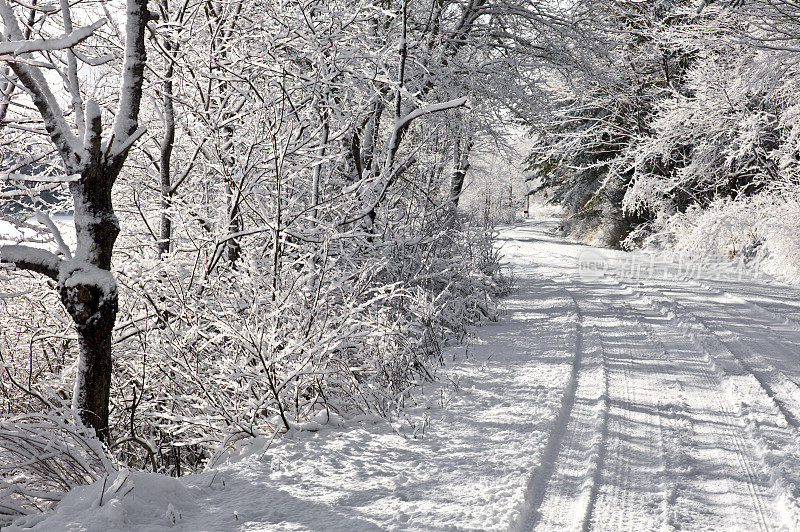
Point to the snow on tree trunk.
(90, 296)
(89, 293)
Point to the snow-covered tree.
(92, 156)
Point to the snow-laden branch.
(28, 192)
(31, 259)
(402, 123)
(43, 98)
(126, 119)
(69, 40)
(14, 176)
(45, 8)
(379, 195)
(428, 109)
(730, 3)
(120, 148)
(48, 222)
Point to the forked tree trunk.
(89, 294)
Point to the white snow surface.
(618, 399)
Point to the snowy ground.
(618, 392)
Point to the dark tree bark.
(460, 166)
(165, 161)
(94, 311)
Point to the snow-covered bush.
(762, 227)
(42, 457)
(348, 327)
(301, 252)
(723, 229)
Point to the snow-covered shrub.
(763, 227)
(42, 457)
(723, 229)
(302, 258)
(37, 347)
(348, 326)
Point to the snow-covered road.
(682, 406)
(636, 396)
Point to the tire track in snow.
(674, 459)
(772, 446)
(626, 498)
(539, 479)
(631, 498)
(774, 381)
(771, 418)
(774, 327)
(638, 448)
(722, 432)
(679, 464)
(746, 299)
(591, 480)
(567, 493)
(569, 496)
(717, 441)
(782, 388)
(599, 447)
(771, 324)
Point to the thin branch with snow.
(14, 176)
(15, 48)
(428, 109)
(46, 221)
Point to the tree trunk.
(461, 165)
(86, 286)
(88, 291)
(94, 312)
(233, 249)
(165, 234)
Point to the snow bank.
(761, 229)
(125, 500)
